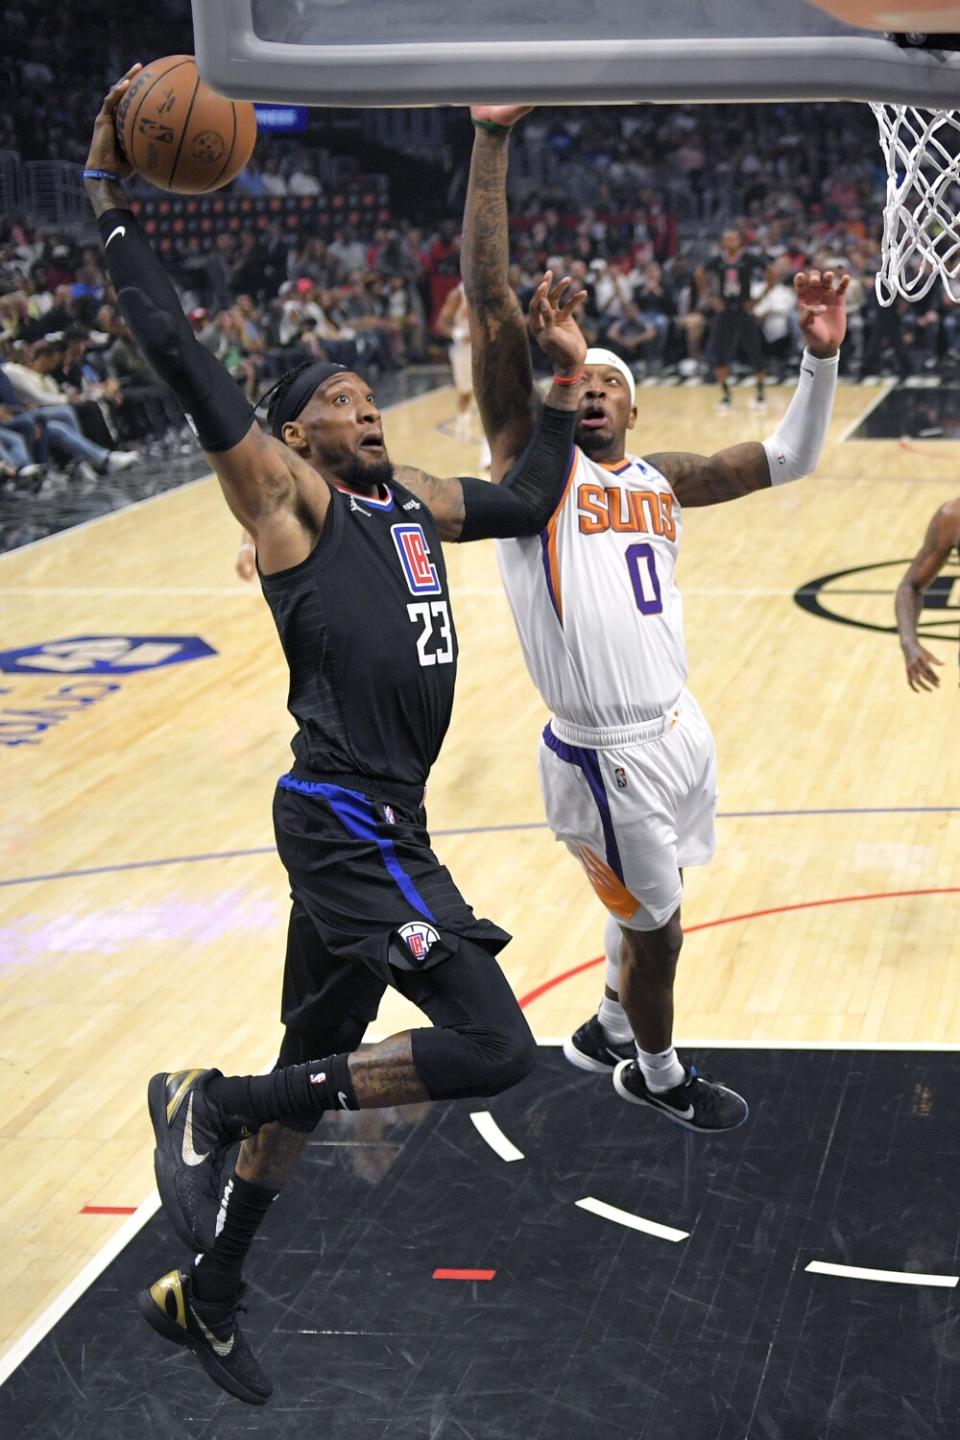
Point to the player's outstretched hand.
(105, 152)
(506, 115)
(920, 672)
(821, 310)
(553, 325)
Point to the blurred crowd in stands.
(633, 202)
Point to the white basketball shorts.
(635, 808)
(462, 366)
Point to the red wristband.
(572, 380)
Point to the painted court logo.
(28, 711)
(863, 597)
(418, 938)
(104, 654)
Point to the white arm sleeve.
(794, 447)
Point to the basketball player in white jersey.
(454, 322)
(627, 762)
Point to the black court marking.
(589, 1330)
(925, 413)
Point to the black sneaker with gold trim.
(192, 1138)
(210, 1331)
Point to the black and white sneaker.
(192, 1140)
(589, 1049)
(698, 1103)
(210, 1330)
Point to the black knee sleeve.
(463, 1061)
(481, 1043)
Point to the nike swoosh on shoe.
(685, 1114)
(222, 1347)
(190, 1155)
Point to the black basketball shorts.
(370, 898)
(736, 336)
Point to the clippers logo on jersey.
(414, 552)
(418, 938)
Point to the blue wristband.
(100, 175)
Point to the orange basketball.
(181, 135)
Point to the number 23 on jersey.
(435, 640)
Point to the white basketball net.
(921, 219)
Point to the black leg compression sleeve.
(526, 498)
(481, 1043)
(212, 400)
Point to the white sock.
(614, 1022)
(661, 1071)
(611, 1013)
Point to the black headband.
(293, 400)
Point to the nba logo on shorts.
(418, 938)
(620, 775)
(414, 552)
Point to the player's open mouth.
(593, 418)
(372, 442)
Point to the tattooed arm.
(711, 479)
(502, 375)
(468, 509)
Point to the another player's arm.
(258, 475)
(522, 503)
(502, 375)
(943, 534)
(793, 450)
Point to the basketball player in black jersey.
(735, 333)
(349, 551)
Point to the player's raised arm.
(502, 377)
(793, 449)
(943, 534)
(256, 472)
(522, 503)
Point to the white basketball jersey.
(595, 599)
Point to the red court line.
(108, 1209)
(464, 1274)
(556, 980)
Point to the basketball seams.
(183, 60)
(233, 140)
(183, 131)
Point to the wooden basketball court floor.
(142, 907)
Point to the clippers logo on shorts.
(414, 552)
(418, 938)
(104, 654)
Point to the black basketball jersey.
(733, 279)
(366, 626)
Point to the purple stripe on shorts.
(590, 765)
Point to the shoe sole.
(586, 1062)
(671, 1115)
(166, 1165)
(158, 1320)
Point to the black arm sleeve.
(526, 498)
(212, 400)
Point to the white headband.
(596, 356)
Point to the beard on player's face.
(606, 443)
(361, 474)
